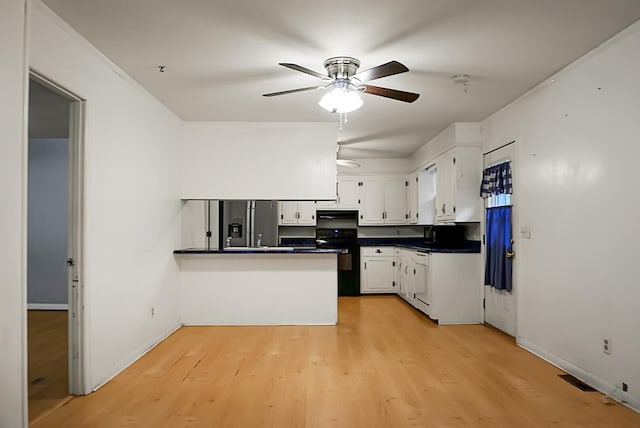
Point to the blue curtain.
(498, 268)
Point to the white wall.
(459, 133)
(578, 149)
(132, 205)
(258, 160)
(12, 214)
(47, 201)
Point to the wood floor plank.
(383, 365)
(48, 371)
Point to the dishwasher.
(422, 294)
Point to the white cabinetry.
(456, 292)
(422, 284)
(382, 200)
(347, 192)
(346, 195)
(445, 286)
(406, 273)
(296, 213)
(427, 196)
(412, 198)
(458, 176)
(377, 270)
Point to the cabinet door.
(421, 285)
(395, 200)
(397, 269)
(328, 205)
(288, 213)
(377, 273)
(307, 213)
(427, 195)
(412, 198)
(348, 192)
(445, 185)
(371, 197)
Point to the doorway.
(500, 301)
(54, 214)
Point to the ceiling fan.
(345, 83)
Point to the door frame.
(512, 156)
(77, 314)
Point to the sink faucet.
(259, 240)
(228, 241)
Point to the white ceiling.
(221, 55)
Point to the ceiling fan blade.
(292, 91)
(302, 69)
(384, 70)
(407, 97)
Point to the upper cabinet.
(346, 195)
(296, 213)
(449, 171)
(457, 192)
(412, 198)
(427, 196)
(382, 200)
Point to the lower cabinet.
(445, 286)
(456, 288)
(406, 273)
(377, 270)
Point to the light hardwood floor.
(47, 360)
(384, 365)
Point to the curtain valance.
(496, 180)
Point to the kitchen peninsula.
(258, 286)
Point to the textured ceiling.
(220, 56)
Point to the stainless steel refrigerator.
(247, 221)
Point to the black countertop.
(272, 250)
(409, 243)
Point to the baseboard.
(604, 387)
(140, 352)
(47, 306)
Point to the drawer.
(377, 251)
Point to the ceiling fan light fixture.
(349, 163)
(341, 100)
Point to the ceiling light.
(341, 100)
(348, 163)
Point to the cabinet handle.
(365, 265)
(378, 250)
(443, 206)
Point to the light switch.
(525, 232)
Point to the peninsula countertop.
(260, 250)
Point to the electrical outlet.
(625, 387)
(606, 345)
(153, 311)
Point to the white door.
(348, 192)
(427, 195)
(395, 196)
(500, 305)
(307, 213)
(371, 200)
(412, 199)
(288, 212)
(445, 187)
(378, 273)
